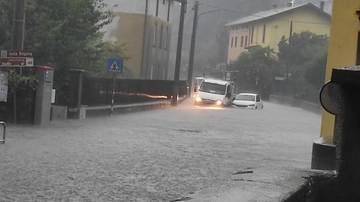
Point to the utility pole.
(288, 62)
(17, 38)
(178, 54)
(192, 48)
(18, 27)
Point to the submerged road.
(190, 152)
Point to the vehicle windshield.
(246, 97)
(212, 88)
(198, 81)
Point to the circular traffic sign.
(329, 95)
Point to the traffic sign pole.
(114, 66)
(112, 97)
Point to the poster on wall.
(3, 86)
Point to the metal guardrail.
(4, 131)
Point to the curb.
(299, 194)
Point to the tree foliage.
(315, 74)
(298, 56)
(256, 69)
(304, 58)
(302, 49)
(64, 34)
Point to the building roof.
(271, 13)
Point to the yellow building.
(343, 52)
(144, 26)
(266, 28)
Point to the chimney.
(274, 6)
(322, 5)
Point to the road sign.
(9, 58)
(16, 54)
(16, 62)
(115, 65)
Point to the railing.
(98, 91)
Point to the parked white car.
(248, 100)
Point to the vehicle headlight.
(198, 99)
(218, 102)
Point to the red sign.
(16, 62)
(17, 54)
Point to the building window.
(264, 32)
(166, 38)
(242, 41)
(232, 42)
(235, 41)
(157, 8)
(161, 36)
(246, 41)
(252, 35)
(155, 33)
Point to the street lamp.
(192, 46)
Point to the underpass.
(187, 152)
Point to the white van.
(215, 92)
(197, 82)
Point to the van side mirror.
(228, 95)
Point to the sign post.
(3, 86)
(114, 66)
(16, 59)
(9, 58)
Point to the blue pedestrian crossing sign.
(115, 65)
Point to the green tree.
(297, 56)
(6, 15)
(64, 34)
(302, 48)
(256, 70)
(315, 74)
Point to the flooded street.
(159, 155)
